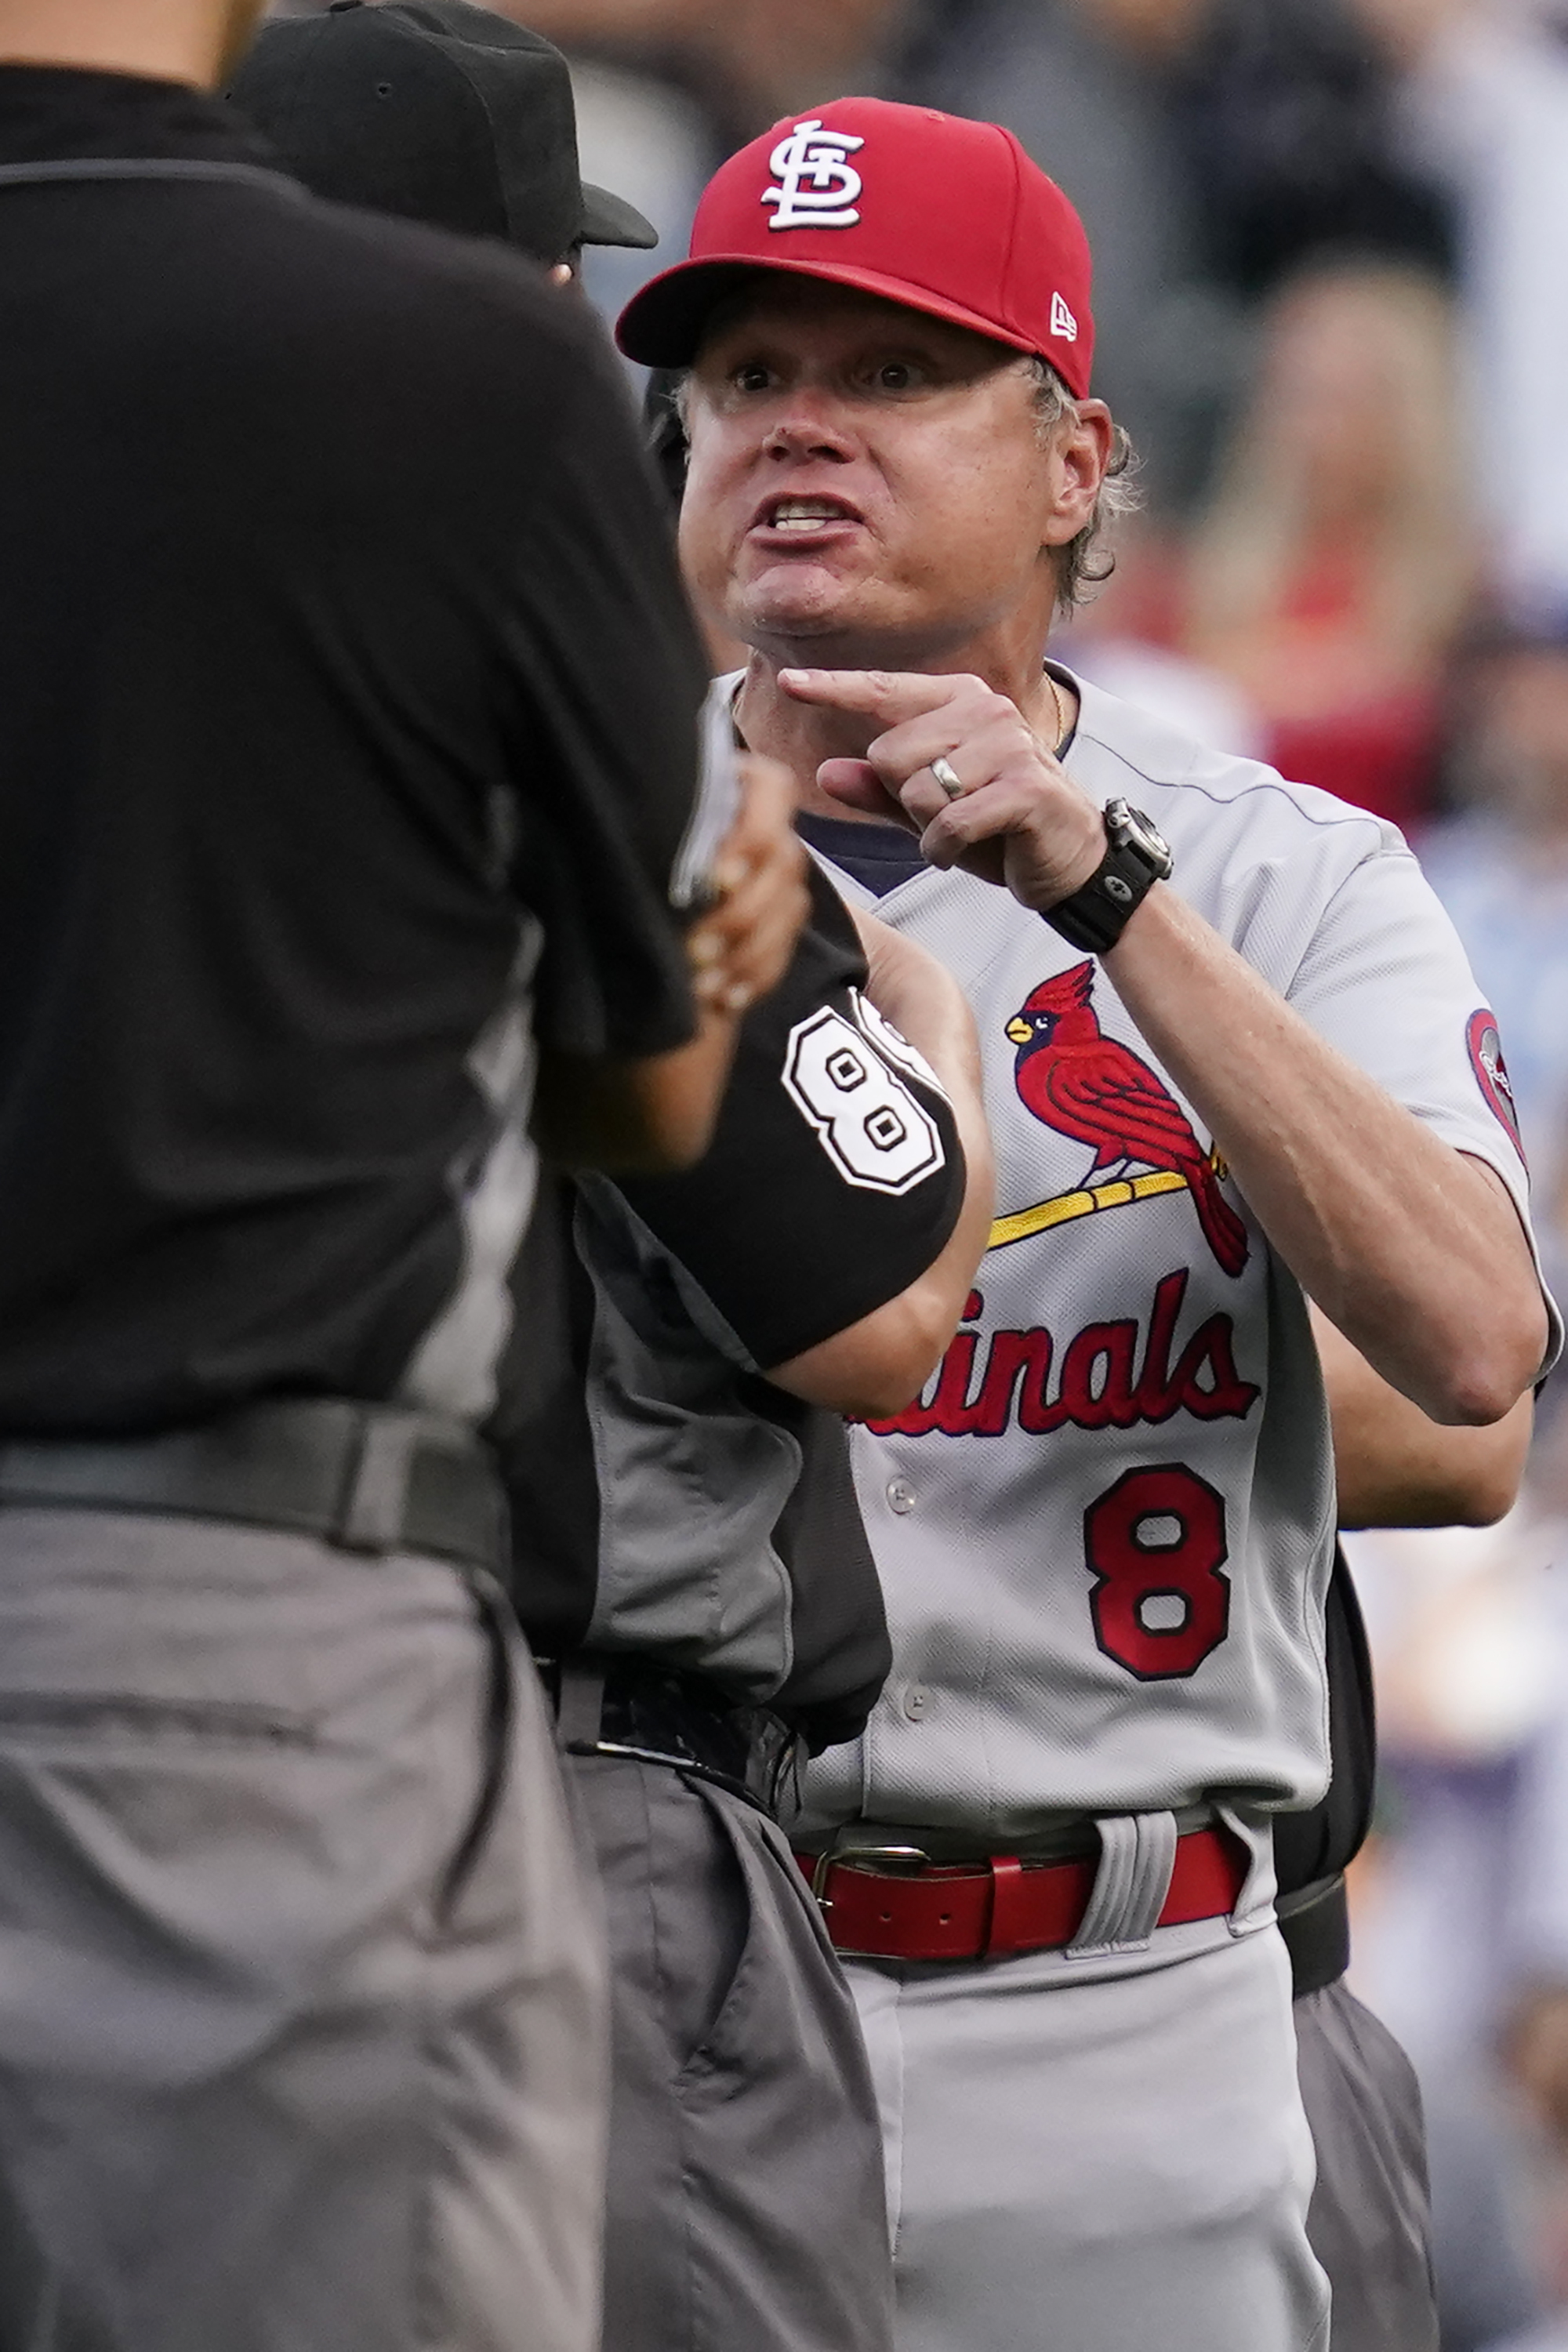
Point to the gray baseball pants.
(1105, 2162)
(300, 2010)
(746, 2207)
(1370, 2221)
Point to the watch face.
(1129, 825)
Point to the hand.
(742, 947)
(1021, 821)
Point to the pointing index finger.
(887, 694)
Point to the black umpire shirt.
(347, 730)
(668, 1501)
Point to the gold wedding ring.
(946, 777)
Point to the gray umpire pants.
(746, 2208)
(300, 2009)
(1369, 2221)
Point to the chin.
(799, 609)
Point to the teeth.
(804, 514)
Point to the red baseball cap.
(945, 215)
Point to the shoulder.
(291, 243)
(1121, 748)
(428, 390)
(312, 292)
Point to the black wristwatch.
(1136, 857)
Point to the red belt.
(958, 1911)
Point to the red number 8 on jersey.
(1141, 1578)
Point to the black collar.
(55, 112)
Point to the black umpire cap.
(437, 110)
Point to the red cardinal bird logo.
(1097, 1091)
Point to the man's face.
(867, 482)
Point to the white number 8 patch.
(876, 1132)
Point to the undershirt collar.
(878, 856)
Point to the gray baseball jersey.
(1105, 1529)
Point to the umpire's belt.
(892, 1903)
(366, 1477)
(646, 1713)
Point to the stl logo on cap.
(945, 215)
(816, 188)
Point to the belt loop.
(376, 1492)
(580, 1704)
(1003, 1936)
(1137, 1854)
(782, 1774)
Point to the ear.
(1079, 452)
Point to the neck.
(191, 41)
(802, 735)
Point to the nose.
(809, 426)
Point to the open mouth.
(805, 518)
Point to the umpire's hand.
(742, 945)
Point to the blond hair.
(1249, 548)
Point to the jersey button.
(917, 1701)
(901, 1495)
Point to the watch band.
(1094, 918)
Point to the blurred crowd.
(1331, 242)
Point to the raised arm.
(658, 1112)
(1413, 1250)
(837, 1220)
(1395, 1468)
(1410, 1249)
(876, 1366)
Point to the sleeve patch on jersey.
(872, 1128)
(1491, 1073)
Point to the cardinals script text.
(1106, 1381)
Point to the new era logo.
(817, 187)
(1063, 323)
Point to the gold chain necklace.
(1059, 706)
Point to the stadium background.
(1332, 244)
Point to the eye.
(752, 376)
(899, 375)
